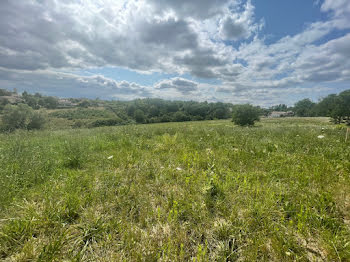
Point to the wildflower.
(320, 136)
(110, 157)
(178, 168)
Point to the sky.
(236, 51)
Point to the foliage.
(36, 101)
(3, 103)
(107, 122)
(4, 92)
(304, 108)
(245, 115)
(158, 110)
(21, 117)
(336, 106)
(280, 108)
(82, 113)
(36, 121)
(139, 116)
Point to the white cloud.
(238, 25)
(178, 37)
(182, 85)
(339, 7)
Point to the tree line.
(27, 110)
(335, 106)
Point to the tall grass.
(199, 191)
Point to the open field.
(201, 191)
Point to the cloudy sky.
(238, 51)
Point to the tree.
(15, 117)
(220, 113)
(21, 117)
(139, 116)
(36, 121)
(304, 108)
(181, 117)
(4, 92)
(280, 107)
(327, 105)
(49, 102)
(3, 103)
(84, 104)
(336, 106)
(345, 105)
(245, 115)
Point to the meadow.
(193, 191)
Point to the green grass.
(200, 191)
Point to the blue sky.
(238, 51)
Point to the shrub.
(107, 122)
(180, 117)
(139, 116)
(4, 92)
(245, 115)
(82, 113)
(36, 121)
(21, 117)
(3, 103)
(78, 124)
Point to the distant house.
(66, 103)
(275, 114)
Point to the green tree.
(21, 117)
(3, 103)
(139, 116)
(84, 104)
(344, 106)
(245, 115)
(304, 108)
(327, 105)
(49, 102)
(15, 117)
(180, 117)
(36, 121)
(4, 92)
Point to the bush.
(36, 121)
(139, 116)
(180, 117)
(245, 115)
(82, 113)
(4, 92)
(106, 122)
(3, 103)
(21, 117)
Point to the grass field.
(195, 191)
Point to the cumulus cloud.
(39, 38)
(58, 84)
(202, 9)
(180, 84)
(238, 25)
(339, 7)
